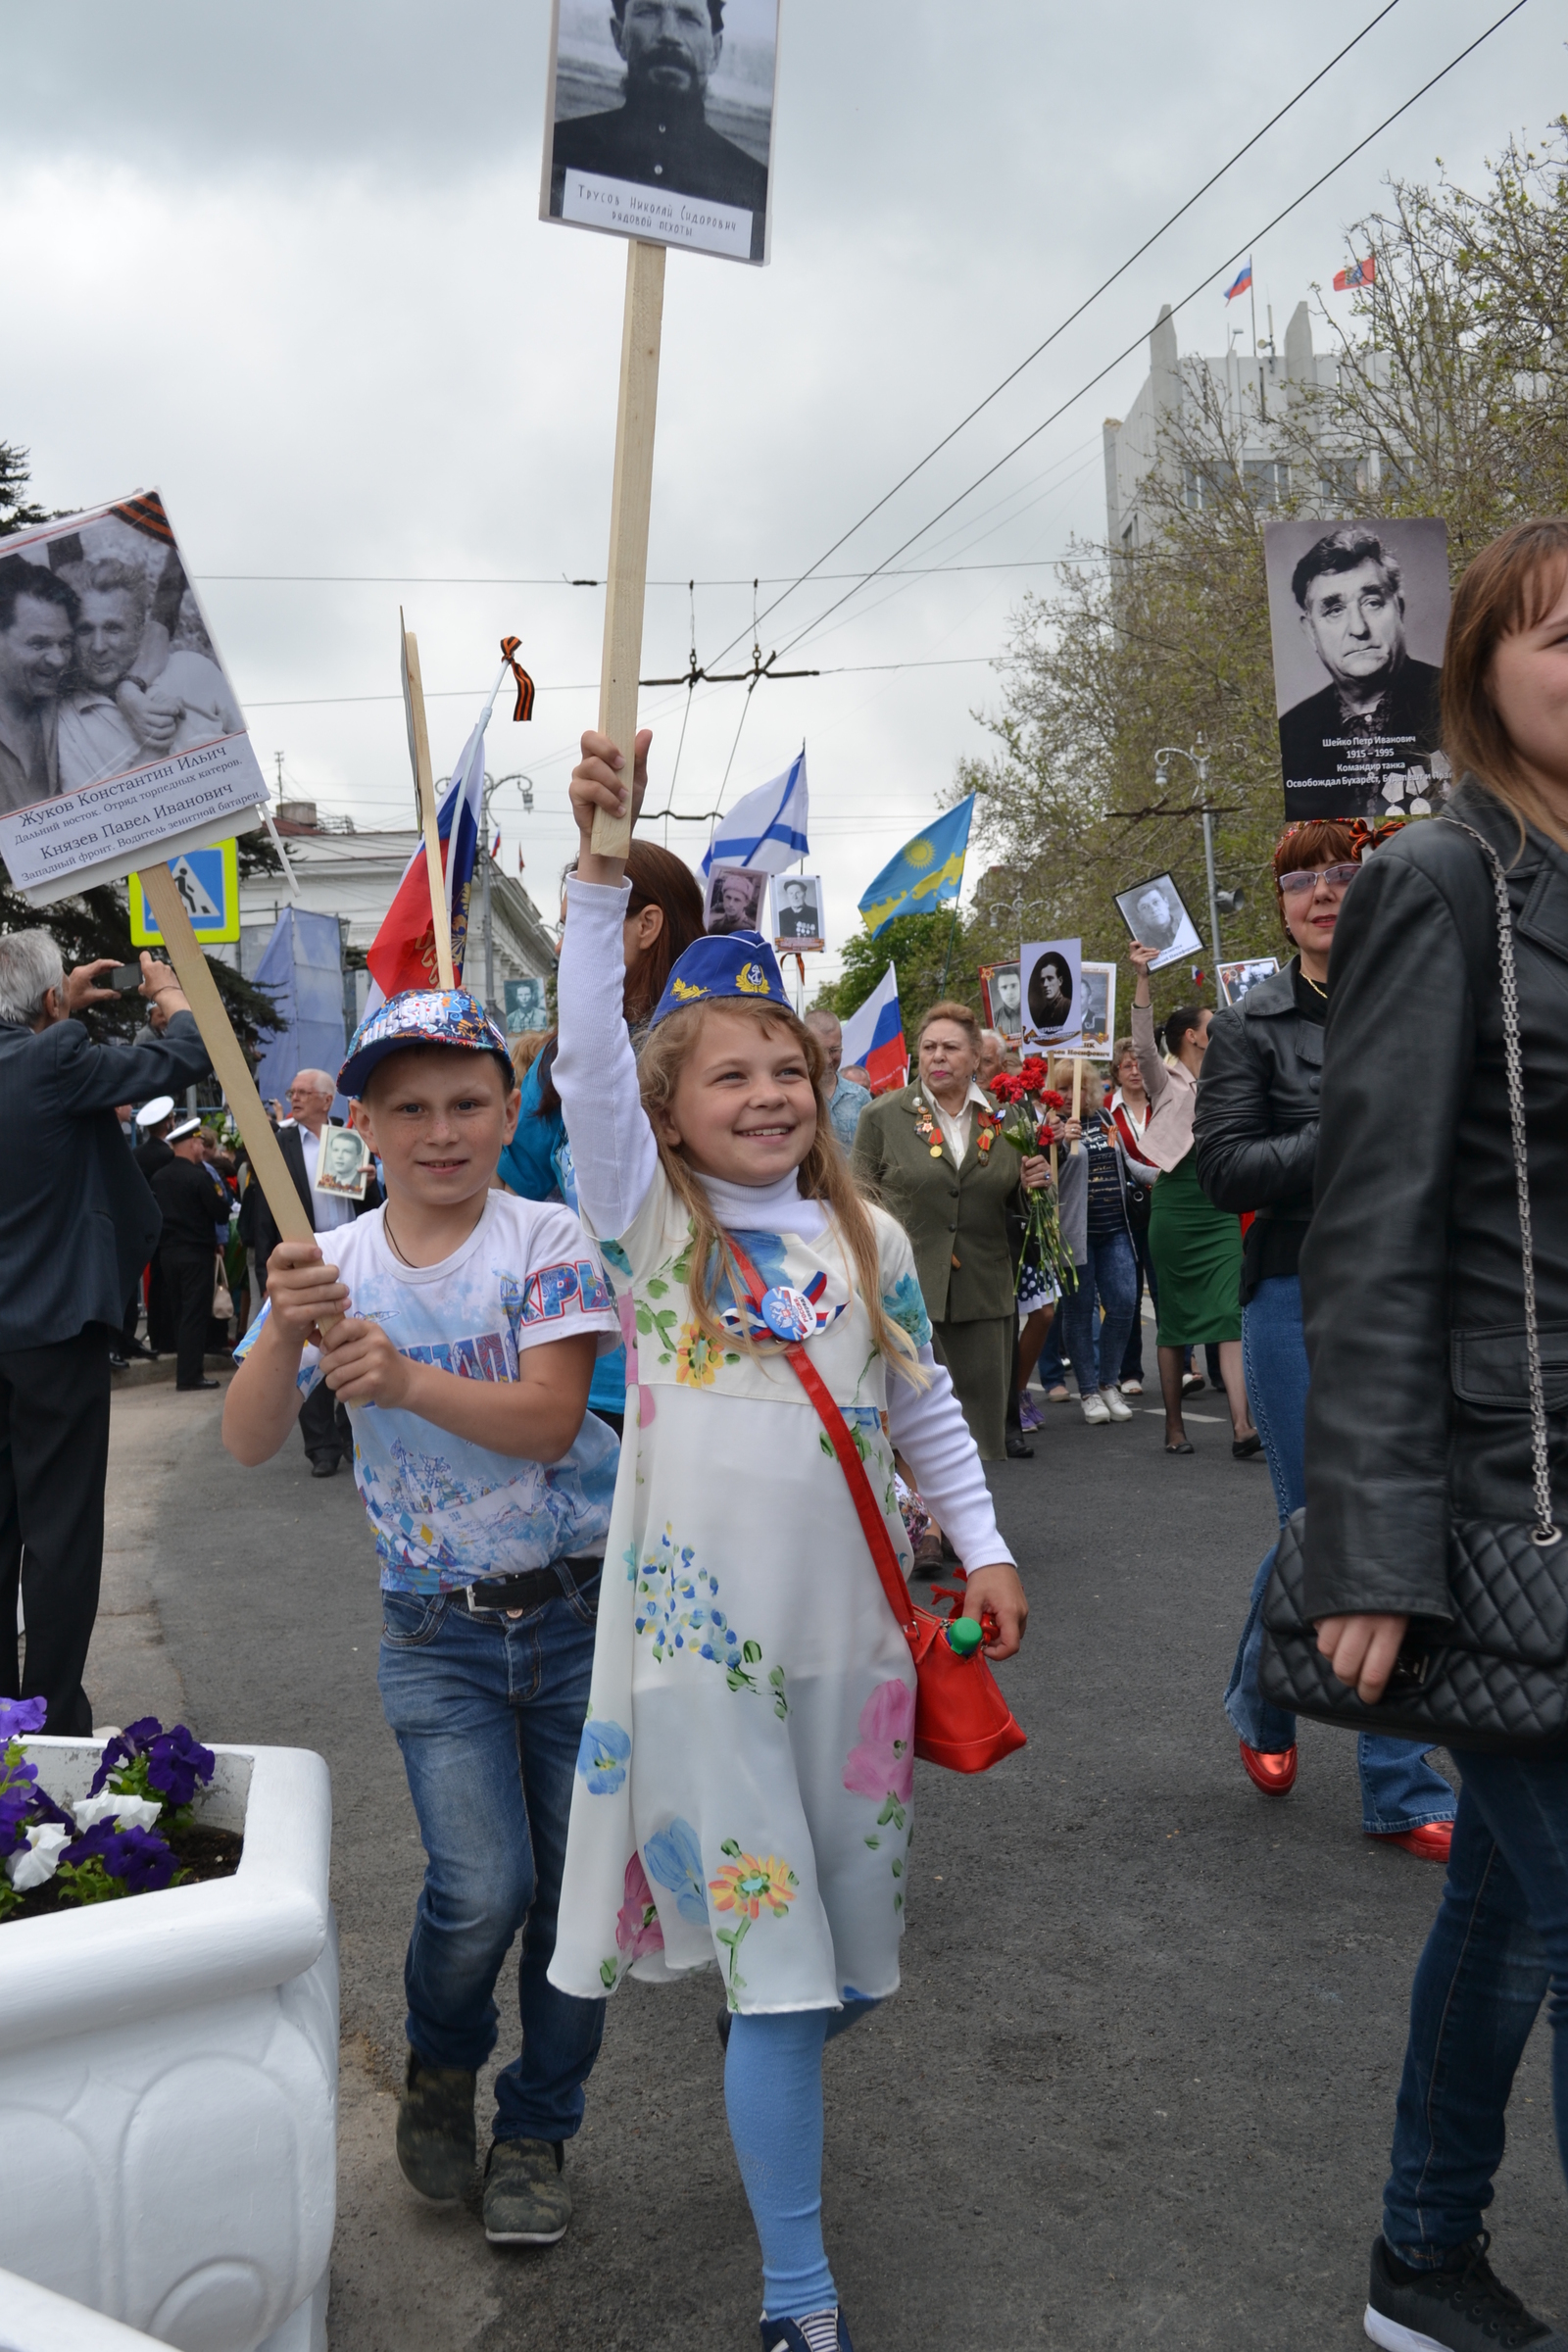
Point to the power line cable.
(1245, 246)
(1089, 300)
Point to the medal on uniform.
(789, 1314)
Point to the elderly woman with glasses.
(1255, 1125)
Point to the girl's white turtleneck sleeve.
(614, 1155)
(613, 1146)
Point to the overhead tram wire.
(1245, 247)
(1073, 315)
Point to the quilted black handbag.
(1496, 1676)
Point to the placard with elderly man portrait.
(1357, 613)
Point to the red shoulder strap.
(874, 1526)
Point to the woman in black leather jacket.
(1419, 1407)
(1255, 1129)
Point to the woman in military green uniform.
(935, 1156)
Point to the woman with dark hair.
(1257, 1129)
(663, 915)
(1197, 1249)
(1420, 1330)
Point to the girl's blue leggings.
(773, 2098)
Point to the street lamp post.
(1198, 758)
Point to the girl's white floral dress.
(745, 1778)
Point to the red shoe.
(1273, 1773)
(1429, 1841)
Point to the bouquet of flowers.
(1025, 1097)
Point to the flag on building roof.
(766, 830)
(873, 1038)
(1243, 283)
(1359, 273)
(927, 873)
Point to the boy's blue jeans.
(488, 1711)
(1399, 1788)
(1500, 1936)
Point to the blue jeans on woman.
(1109, 1275)
(1132, 1355)
(1398, 1789)
(1500, 1938)
(488, 1710)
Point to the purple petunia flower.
(17, 1801)
(17, 1716)
(176, 1762)
(140, 1859)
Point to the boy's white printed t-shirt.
(446, 1511)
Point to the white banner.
(68, 844)
(663, 218)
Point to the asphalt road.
(1137, 2086)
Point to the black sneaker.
(788, 2335)
(436, 2148)
(1462, 2308)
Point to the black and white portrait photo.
(660, 121)
(1003, 994)
(798, 912)
(1053, 991)
(1099, 1023)
(1237, 979)
(105, 660)
(734, 899)
(1156, 916)
(1357, 613)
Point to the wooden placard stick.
(233, 1071)
(1077, 1096)
(626, 577)
(424, 789)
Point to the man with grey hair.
(96, 739)
(77, 1224)
(847, 1100)
(324, 1424)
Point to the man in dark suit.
(187, 1248)
(77, 1224)
(324, 1424)
(1380, 706)
(659, 137)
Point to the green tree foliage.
(97, 922)
(1452, 400)
(917, 946)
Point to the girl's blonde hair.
(823, 1175)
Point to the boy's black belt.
(531, 1588)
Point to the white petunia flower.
(126, 1812)
(35, 1863)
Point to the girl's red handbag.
(960, 1718)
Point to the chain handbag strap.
(1545, 1534)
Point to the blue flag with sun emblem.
(927, 873)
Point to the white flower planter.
(169, 2078)
(33, 2320)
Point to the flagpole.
(425, 788)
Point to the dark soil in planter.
(203, 1853)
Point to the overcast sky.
(287, 264)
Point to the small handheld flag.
(1244, 283)
(1359, 273)
(873, 1037)
(927, 873)
(766, 830)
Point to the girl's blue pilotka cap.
(421, 1016)
(735, 963)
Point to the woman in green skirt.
(1197, 1249)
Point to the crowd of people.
(668, 1273)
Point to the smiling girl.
(745, 1784)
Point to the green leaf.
(873, 1843)
(751, 1652)
(606, 1974)
(730, 1847)
(657, 1289)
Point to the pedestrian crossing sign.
(208, 881)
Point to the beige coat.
(1172, 1096)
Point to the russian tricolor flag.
(873, 1037)
(1243, 283)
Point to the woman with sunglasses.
(1255, 1127)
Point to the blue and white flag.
(766, 830)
